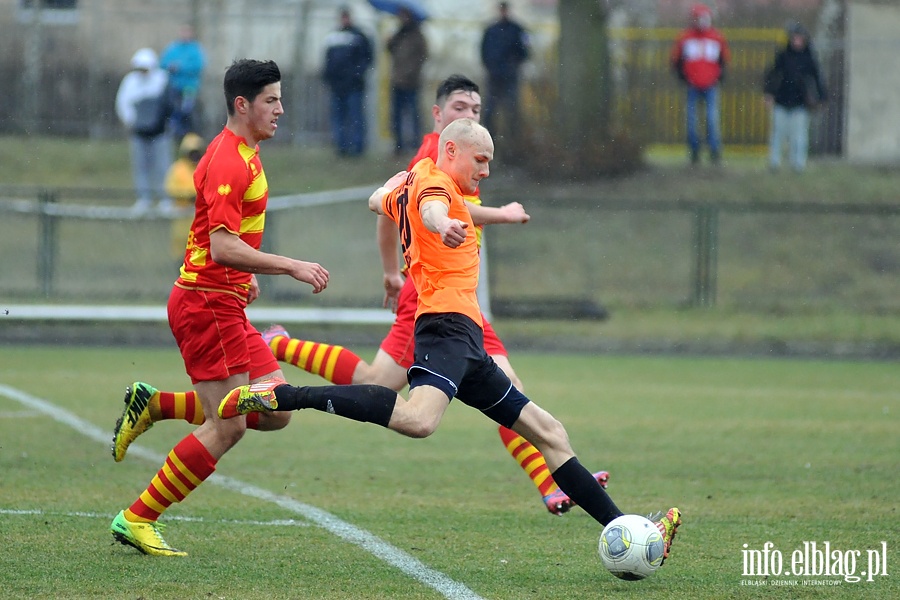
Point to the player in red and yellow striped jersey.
(207, 304)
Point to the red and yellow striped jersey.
(231, 193)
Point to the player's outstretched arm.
(513, 212)
(229, 250)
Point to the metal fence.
(578, 253)
(768, 256)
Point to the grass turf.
(752, 451)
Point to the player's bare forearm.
(436, 220)
(513, 212)
(388, 248)
(388, 243)
(229, 250)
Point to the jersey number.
(403, 223)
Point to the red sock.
(530, 459)
(188, 465)
(334, 363)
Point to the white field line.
(110, 516)
(411, 566)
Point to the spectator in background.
(699, 57)
(142, 104)
(185, 60)
(180, 187)
(347, 56)
(409, 51)
(504, 47)
(792, 87)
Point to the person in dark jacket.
(409, 51)
(348, 55)
(793, 86)
(504, 47)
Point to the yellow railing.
(650, 100)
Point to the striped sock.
(334, 363)
(530, 459)
(187, 466)
(181, 405)
(187, 406)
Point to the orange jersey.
(445, 278)
(231, 194)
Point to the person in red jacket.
(699, 57)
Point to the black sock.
(365, 403)
(580, 485)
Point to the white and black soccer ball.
(631, 547)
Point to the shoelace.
(655, 516)
(157, 531)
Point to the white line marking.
(110, 516)
(406, 563)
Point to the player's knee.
(549, 432)
(555, 434)
(417, 426)
(420, 430)
(231, 431)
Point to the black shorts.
(450, 356)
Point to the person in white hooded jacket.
(143, 106)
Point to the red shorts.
(399, 343)
(215, 338)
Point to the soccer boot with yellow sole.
(146, 537)
(135, 419)
(256, 397)
(668, 526)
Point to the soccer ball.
(631, 547)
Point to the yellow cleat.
(256, 397)
(146, 537)
(135, 419)
(668, 527)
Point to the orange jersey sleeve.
(445, 278)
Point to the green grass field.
(753, 451)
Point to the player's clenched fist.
(454, 233)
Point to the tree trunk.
(585, 78)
